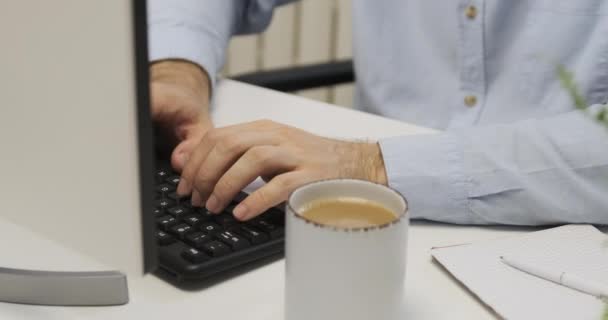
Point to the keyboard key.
(216, 249)
(234, 241)
(230, 212)
(193, 220)
(158, 212)
(239, 197)
(178, 199)
(230, 209)
(164, 204)
(252, 234)
(164, 238)
(173, 180)
(178, 211)
(186, 202)
(275, 216)
(164, 189)
(198, 239)
(195, 256)
(205, 214)
(166, 222)
(161, 175)
(210, 228)
(181, 230)
(225, 219)
(273, 230)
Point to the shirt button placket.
(472, 64)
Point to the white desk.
(431, 292)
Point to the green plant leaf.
(567, 80)
(602, 116)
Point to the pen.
(567, 279)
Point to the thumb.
(182, 151)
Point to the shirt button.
(471, 12)
(470, 101)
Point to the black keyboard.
(195, 244)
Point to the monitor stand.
(36, 270)
(57, 288)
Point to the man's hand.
(180, 105)
(229, 158)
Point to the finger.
(271, 194)
(193, 162)
(225, 153)
(257, 161)
(182, 151)
(196, 199)
(232, 140)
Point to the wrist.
(379, 170)
(372, 163)
(182, 73)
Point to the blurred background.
(302, 33)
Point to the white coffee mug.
(345, 274)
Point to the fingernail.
(240, 212)
(183, 188)
(212, 204)
(196, 199)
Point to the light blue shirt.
(514, 151)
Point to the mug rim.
(398, 219)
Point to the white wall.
(306, 32)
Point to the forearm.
(192, 30)
(199, 30)
(532, 172)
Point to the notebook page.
(514, 294)
(585, 254)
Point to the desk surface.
(431, 292)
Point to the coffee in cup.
(348, 212)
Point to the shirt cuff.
(178, 42)
(428, 170)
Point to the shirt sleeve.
(199, 30)
(533, 172)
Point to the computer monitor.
(75, 131)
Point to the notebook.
(513, 294)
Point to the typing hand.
(229, 158)
(180, 102)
